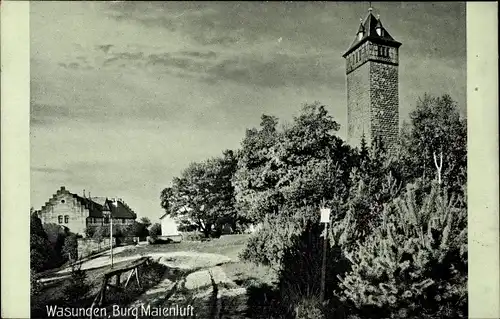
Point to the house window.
(66, 219)
(106, 220)
(60, 219)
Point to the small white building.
(168, 226)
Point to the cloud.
(105, 48)
(279, 69)
(72, 65)
(197, 54)
(49, 170)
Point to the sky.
(124, 95)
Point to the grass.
(229, 246)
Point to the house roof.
(96, 205)
(368, 27)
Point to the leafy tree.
(100, 233)
(145, 221)
(136, 229)
(40, 248)
(203, 195)
(89, 231)
(436, 131)
(56, 235)
(70, 247)
(302, 165)
(155, 231)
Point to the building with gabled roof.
(78, 212)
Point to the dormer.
(361, 30)
(378, 28)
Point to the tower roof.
(368, 27)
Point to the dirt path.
(196, 280)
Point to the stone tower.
(372, 84)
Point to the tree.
(434, 144)
(40, 249)
(415, 264)
(100, 233)
(136, 229)
(89, 231)
(56, 234)
(145, 221)
(203, 195)
(303, 166)
(70, 248)
(285, 171)
(78, 287)
(155, 231)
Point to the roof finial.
(370, 9)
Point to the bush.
(78, 287)
(415, 264)
(129, 240)
(162, 241)
(267, 245)
(192, 236)
(155, 231)
(305, 257)
(310, 308)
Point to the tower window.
(383, 52)
(60, 219)
(66, 219)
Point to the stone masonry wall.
(358, 105)
(384, 103)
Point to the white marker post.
(325, 218)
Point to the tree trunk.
(207, 230)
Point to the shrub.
(155, 231)
(305, 257)
(268, 244)
(309, 308)
(192, 236)
(415, 264)
(128, 240)
(78, 288)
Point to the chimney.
(83, 193)
(63, 188)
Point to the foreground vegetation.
(81, 287)
(397, 241)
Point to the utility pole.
(111, 235)
(325, 218)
